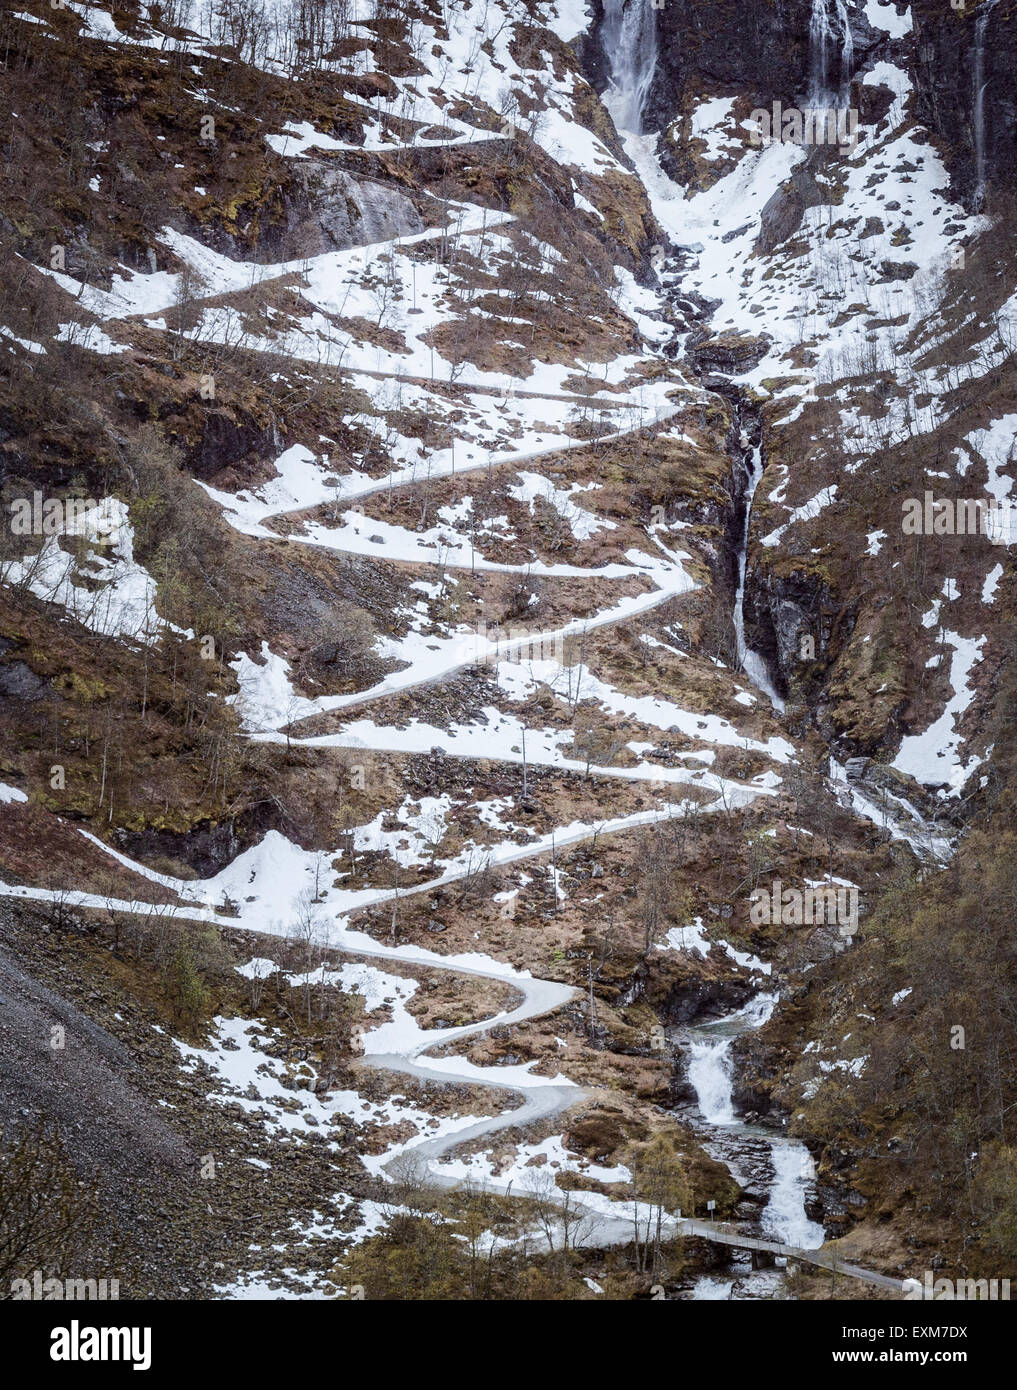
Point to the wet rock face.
(758, 47)
(207, 848)
(750, 1099)
(943, 73)
(782, 610)
(726, 354)
(696, 1000)
(228, 437)
(19, 682)
(775, 620)
(334, 211)
(757, 1063)
(755, 47)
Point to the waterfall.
(784, 1217)
(629, 37)
(824, 29)
(749, 661)
(710, 1075)
(979, 84)
(710, 1065)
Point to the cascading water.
(710, 1070)
(785, 1218)
(979, 84)
(711, 1074)
(707, 1289)
(749, 661)
(629, 36)
(826, 30)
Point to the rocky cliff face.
(758, 50)
(959, 54)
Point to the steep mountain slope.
(457, 480)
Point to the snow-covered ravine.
(268, 886)
(501, 421)
(708, 1047)
(632, 55)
